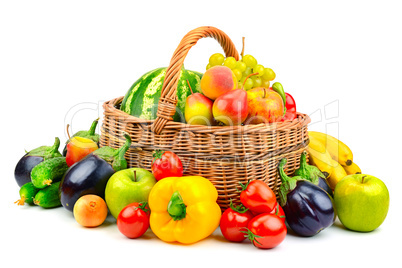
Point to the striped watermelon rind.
(142, 98)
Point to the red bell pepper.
(78, 148)
(291, 112)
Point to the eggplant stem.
(123, 149)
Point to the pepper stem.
(176, 207)
(68, 132)
(92, 129)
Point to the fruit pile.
(91, 181)
(232, 95)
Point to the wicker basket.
(225, 155)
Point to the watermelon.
(142, 98)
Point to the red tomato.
(233, 221)
(266, 231)
(258, 197)
(166, 164)
(278, 211)
(133, 220)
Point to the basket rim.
(300, 121)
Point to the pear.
(231, 108)
(198, 110)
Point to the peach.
(217, 81)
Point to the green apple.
(128, 186)
(362, 202)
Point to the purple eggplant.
(22, 172)
(313, 174)
(91, 174)
(308, 208)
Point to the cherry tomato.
(278, 211)
(266, 231)
(166, 164)
(133, 220)
(258, 197)
(234, 220)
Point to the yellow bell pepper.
(184, 209)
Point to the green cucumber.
(27, 194)
(48, 171)
(48, 197)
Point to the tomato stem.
(240, 208)
(243, 187)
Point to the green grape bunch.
(243, 68)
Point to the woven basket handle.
(168, 99)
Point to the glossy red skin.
(258, 197)
(231, 108)
(169, 165)
(233, 222)
(291, 112)
(278, 211)
(75, 153)
(271, 229)
(132, 221)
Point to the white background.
(59, 60)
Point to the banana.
(338, 174)
(352, 169)
(339, 151)
(319, 156)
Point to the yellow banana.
(320, 157)
(338, 173)
(339, 151)
(352, 169)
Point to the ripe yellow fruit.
(352, 169)
(338, 150)
(319, 156)
(338, 173)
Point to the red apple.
(265, 106)
(231, 108)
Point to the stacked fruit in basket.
(90, 181)
(238, 92)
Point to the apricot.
(217, 81)
(90, 210)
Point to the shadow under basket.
(225, 155)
